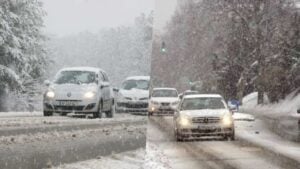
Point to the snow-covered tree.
(22, 55)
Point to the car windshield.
(202, 103)
(164, 93)
(136, 84)
(75, 77)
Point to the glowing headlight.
(184, 121)
(89, 95)
(227, 120)
(50, 94)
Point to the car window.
(136, 84)
(164, 93)
(75, 77)
(202, 103)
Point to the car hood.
(135, 94)
(165, 99)
(74, 91)
(205, 113)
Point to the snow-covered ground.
(67, 135)
(150, 158)
(126, 160)
(243, 117)
(257, 133)
(28, 119)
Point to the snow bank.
(288, 106)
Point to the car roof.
(203, 96)
(89, 69)
(138, 78)
(163, 88)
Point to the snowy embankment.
(288, 106)
(149, 158)
(282, 117)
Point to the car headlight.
(50, 94)
(184, 121)
(89, 95)
(227, 120)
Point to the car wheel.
(230, 137)
(48, 113)
(63, 114)
(178, 136)
(99, 113)
(111, 112)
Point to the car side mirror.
(180, 96)
(47, 82)
(298, 111)
(116, 89)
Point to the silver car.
(203, 115)
(79, 90)
(133, 96)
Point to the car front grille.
(206, 120)
(133, 105)
(165, 104)
(63, 108)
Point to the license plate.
(206, 127)
(67, 103)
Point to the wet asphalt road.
(208, 154)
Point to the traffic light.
(163, 47)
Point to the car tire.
(177, 136)
(111, 112)
(48, 113)
(98, 114)
(230, 137)
(63, 114)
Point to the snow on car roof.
(163, 88)
(90, 69)
(138, 78)
(203, 95)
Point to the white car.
(203, 115)
(134, 95)
(79, 90)
(163, 101)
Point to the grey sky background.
(65, 17)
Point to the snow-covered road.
(211, 154)
(36, 142)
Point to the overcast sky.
(66, 17)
